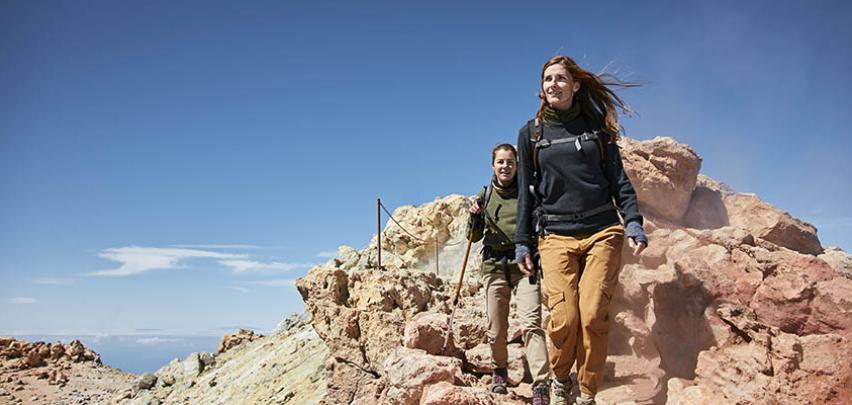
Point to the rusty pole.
(379, 228)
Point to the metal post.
(437, 267)
(379, 229)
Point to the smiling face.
(558, 87)
(504, 165)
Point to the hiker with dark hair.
(574, 195)
(494, 221)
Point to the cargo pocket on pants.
(558, 325)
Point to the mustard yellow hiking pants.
(528, 297)
(580, 274)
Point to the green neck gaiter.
(552, 114)
(507, 191)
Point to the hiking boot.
(498, 381)
(584, 401)
(560, 392)
(541, 394)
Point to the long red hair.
(598, 101)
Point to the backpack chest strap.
(587, 136)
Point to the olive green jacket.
(502, 211)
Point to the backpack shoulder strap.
(487, 197)
(536, 133)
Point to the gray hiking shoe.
(560, 392)
(541, 394)
(498, 381)
(584, 401)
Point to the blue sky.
(174, 165)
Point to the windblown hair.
(598, 102)
(503, 146)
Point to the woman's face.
(504, 166)
(558, 86)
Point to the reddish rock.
(479, 361)
(427, 331)
(764, 221)
(803, 295)
(663, 172)
(761, 364)
(410, 370)
(444, 393)
(236, 339)
(415, 368)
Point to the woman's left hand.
(637, 247)
(636, 238)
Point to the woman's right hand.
(475, 209)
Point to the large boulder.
(663, 172)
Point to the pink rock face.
(761, 364)
(663, 172)
(767, 222)
(416, 368)
(444, 393)
(803, 295)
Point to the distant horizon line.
(217, 332)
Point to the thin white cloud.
(156, 340)
(138, 260)
(219, 246)
(277, 283)
(244, 266)
(21, 300)
(50, 281)
(240, 289)
(327, 254)
(100, 337)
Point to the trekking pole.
(458, 292)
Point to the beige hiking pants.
(528, 298)
(580, 274)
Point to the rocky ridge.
(734, 301)
(55, 373)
